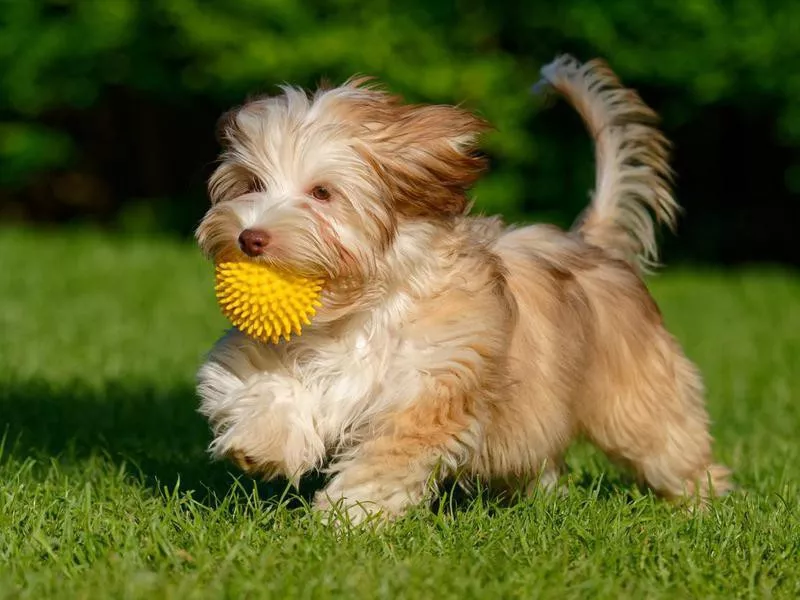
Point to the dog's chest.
(366, 371)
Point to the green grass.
(106, 490)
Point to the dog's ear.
(426, 154)
(430, 159)
(226, 125)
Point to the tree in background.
(107, 108)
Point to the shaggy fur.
(447, 344)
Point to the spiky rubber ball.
(266, 303)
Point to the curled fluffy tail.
(633, 176)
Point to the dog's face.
(318, 184)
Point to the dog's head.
(318, 184)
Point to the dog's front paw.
(270, 449)
(349, 510)
(267, 431)
(364, 500)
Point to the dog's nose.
(253, 242)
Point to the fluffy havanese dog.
(447, 345)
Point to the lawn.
(106, 489)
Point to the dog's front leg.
(444, 383)
(261, 416)
(397, 469)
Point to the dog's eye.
(321, 193)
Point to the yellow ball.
(265, 303)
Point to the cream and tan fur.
(447, 344)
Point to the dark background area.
(108, 107)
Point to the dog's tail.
(633, 177)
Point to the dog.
(448, 344)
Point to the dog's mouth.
(275, 259)
(304, 269)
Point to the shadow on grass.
(156, 432)
(159, 435)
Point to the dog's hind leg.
(648, 413)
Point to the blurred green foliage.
(109, 103)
